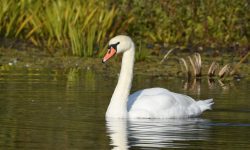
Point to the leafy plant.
(84, 27)
(81, 26)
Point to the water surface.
(65, 110)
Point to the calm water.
(65, 110)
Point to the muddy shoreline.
(35, 59)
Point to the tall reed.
(82, 26)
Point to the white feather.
(147, 103)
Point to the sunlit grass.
(141, 52)
(82, 26)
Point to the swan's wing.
(158, 97)
(158, 102)
(183, 100)
(149, 99)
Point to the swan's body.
(147, 103)
(161, 103)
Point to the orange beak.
(111, 52)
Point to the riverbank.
(35, 59)
(83, 28)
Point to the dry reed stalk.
(224, 70)
(186, 69)
(197, 58)
(239, 63)
(196, 64)
(166, 56)
(192, 64)
(212, 69)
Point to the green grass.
(81, 26)
(219, 23)
(84, 27)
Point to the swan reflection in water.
(156, 133)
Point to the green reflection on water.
(65, 109)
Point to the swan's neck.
(118, 104)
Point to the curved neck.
(118, 104)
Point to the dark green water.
(65, 110)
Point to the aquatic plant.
(224, 71)
(185, 67)
(166, 55)
(236, 67)
(213, 70)
(196, 64)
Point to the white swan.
(147, 103)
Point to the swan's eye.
(113, 45)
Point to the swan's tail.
(205, 104)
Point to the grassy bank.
(172, 66)
(82, 28)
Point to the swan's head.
(118, 44)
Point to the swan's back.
(161, 103)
